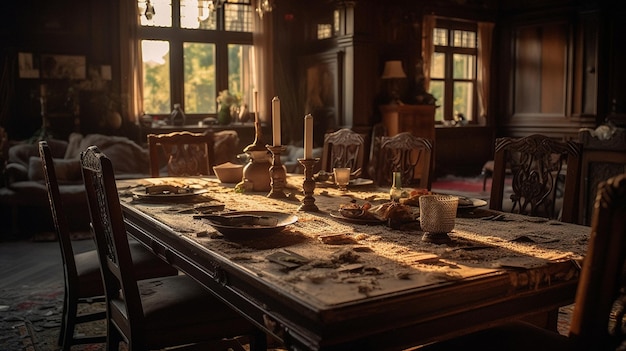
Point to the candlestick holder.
(278, 174)
(308, 202)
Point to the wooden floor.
(25, 262)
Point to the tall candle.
(308, 137)
(256, 106)
(276, 120)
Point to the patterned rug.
(467, 186)
(30, 318)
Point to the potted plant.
(225, 104)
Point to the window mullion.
(176, 72)
(449, 85)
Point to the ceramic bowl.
(229, 172)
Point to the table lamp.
(394, 73)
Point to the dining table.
(324, 281)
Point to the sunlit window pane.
(156, 76)
(464, 39)
(464, 66)
(197, 14)
(438, 65)
(463, 99)
(238, 16)
(199, 74)
(155, 13)
(440, 36)
(436, 89)
(240, 82)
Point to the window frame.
(448, 81)
(177, 36)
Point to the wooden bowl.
(229, 172)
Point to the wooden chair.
(185, 153)
(83, 281)
(409, 154)
(601, 159)
(538, 165)
(153, 313)
(343, 148)
(599, 308)
(378, 132)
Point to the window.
(193, 49)
(453, 70)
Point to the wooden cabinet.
(417, 119)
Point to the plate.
(246, 231)
(467, 203)
(141, 193)
(360, 181)
(367, 221)
(353, 182)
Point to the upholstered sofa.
(24, 197)
(24, 192)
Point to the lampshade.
(393, 69)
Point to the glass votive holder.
(437, 216)
(342, 177)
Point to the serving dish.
(181, 192)
(249, 224)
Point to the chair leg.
(68, 323)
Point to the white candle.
(308, 137)
(256, 106)
(276, 120)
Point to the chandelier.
(263, 6)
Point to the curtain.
(485, 44)
(427, 47)
(131, 65)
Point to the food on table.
(167, 189)
(383, 212)
(414, 197)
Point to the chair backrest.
(107, 221)
(378, 132)
(186, 153)
(409, 154)
(602, 158)
(58, 216)
(599, 306)
(543, 170)
(342, 148)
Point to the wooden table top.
(324, 283)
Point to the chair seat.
(177, 310)
(147, 265)
(511, 337)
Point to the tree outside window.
(453, 71)
(191, 50)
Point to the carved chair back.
(342, 148)
(406, 153)
(543, 171)
(186, 153)
(603, 157)
(599, 310)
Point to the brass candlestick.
(308, 202)
(278, 174)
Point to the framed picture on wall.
(63, 67)
(321, 93)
